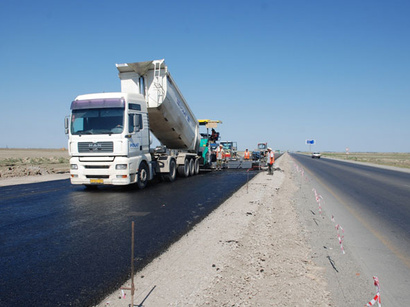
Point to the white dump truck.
(109, 133)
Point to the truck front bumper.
(102, 172)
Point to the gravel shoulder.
(249, 252)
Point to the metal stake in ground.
(132, 267)
(247, 181)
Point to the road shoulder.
(32, 179)
(248, 252)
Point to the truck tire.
(170, 177)
(183, 170)
(196, 166)
(142, 176)
(192, 167)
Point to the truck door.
(135, 126)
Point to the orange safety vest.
(247, 155)
(271, 157)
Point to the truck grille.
(97, 166)
(97, 176)
(95, 147)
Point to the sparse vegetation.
(27, 162)
(389, 159)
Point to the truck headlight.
(121, 166)
(73, 166)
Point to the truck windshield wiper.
(84, 132)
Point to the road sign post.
(310, 143)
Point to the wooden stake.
(132, 266)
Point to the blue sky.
(273, 71)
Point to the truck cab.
(109, 139)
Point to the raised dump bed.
(170, 118)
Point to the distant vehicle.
(230, 149)
(260, 152)
(256, 155)
(263, 148)
(316, 155)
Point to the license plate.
(96, 181)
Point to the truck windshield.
(97, 121)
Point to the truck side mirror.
(137, 122)
(66, 124)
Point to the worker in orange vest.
(247, 154)
(271, 160)
(220, 155)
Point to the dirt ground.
(18, 166)
(396, 159)
(249, 252)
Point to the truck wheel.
(142, 179)
(172, 171)
(191, 167)
(196, 166)
(183, 170)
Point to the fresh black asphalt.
(63, 245)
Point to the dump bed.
(170, 118)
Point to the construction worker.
(246, 154)
(214, 135)
(271, 160)
(220, 155)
